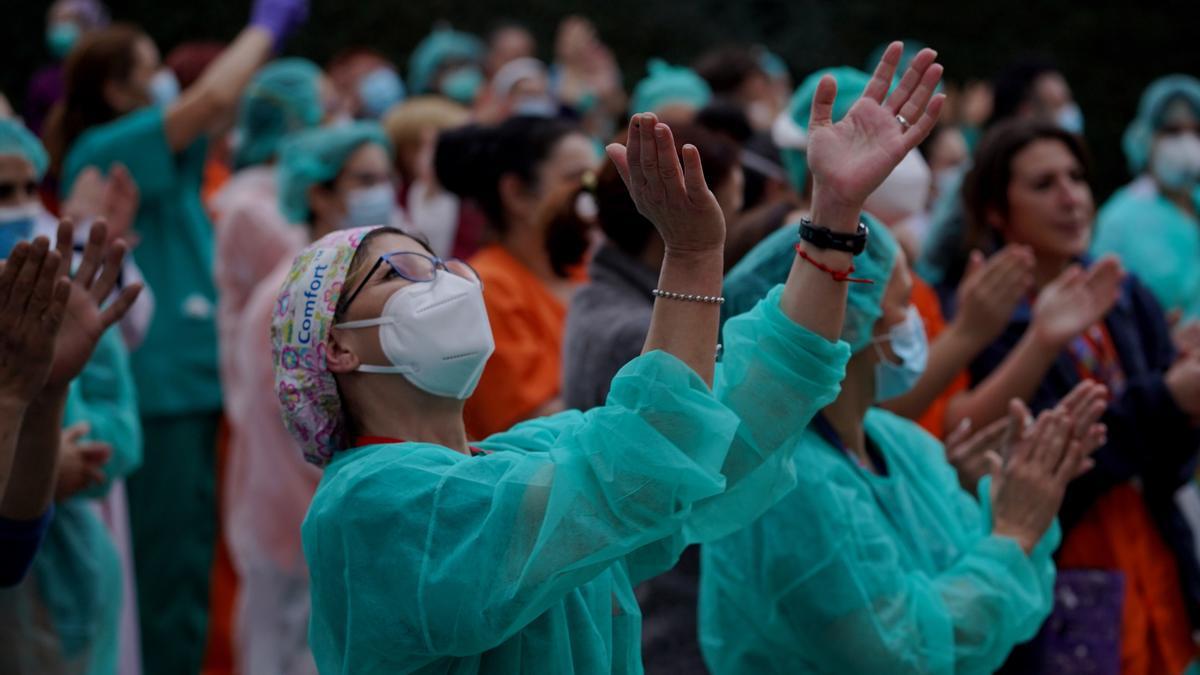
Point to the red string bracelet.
(838, 275)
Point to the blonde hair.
(406, 122)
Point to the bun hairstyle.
(603, 200)
(471, 160)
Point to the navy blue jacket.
(1149, 438)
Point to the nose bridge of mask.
(903, 337)
(904, 192)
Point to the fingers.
(64, 243)
(918, 68)
(120, 307)
(959, 435)
(22, 288)
(974, 265)
(633, 144)
(95, 452)
(43, 288)
(76, 431)
(617, 153)
(12, 268)
(881, 80)
(93, 251)
(1017, 449)
(693, 175)
(1053, 447)
(919, 131)
(52, 318)
(648, 150)
(916, 104)
(822, 106)
(111, 272)
(669, 170)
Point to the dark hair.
(102, 56)
(471, 160)
(727, 68)
(985, 188)
(723, 116)
(618, 218)
(1014, 85)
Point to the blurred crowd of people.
(992, 469)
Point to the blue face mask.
(16, 224)
(378, 91)
(1070, 118)
(463, 84)
(61, 37)
(164, 88)
(912, 348)
(370, 206)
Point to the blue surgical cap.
(851, 83)
(1161, 93)
(15, 139)
(316, 156)
(667, 84)
(864, 302)
(439, 47)
(283, 98)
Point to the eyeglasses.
(19, 189)
(415, 267)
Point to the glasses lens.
(412, 266)
(7, 190)
(462, 269)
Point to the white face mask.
(1069, 118)
(164, 88)
(370, 206)
(904, 192)
(911, 346)
(1175, 161)
(17, 224)
(435, 334)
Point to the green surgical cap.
(283, 98)
(1161, 93)
(315, 156)
(850, 81)
(441, 46)
(864, 302)
(667, 84)
(15, 139)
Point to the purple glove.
(279, 17)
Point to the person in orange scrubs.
(527, 267)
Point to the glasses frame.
(439, 264)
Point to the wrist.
(1026, 541)
(968, 334)
(13, 406)
(834, 213)
(701, 255)
(1041, 340)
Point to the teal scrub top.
(176, 366)
(64, 617)
(523, 558)
(858, 573)
(1156, 241)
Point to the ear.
(339, 358)
(514, 196)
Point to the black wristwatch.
(823, 237)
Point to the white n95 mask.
(904, 193)
(911, 346)
(436, 334)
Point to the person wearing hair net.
(268, 486)
(878, 561)
(64, 617)
(674, 93)
(952, 345)
(448, 62)
(1153, 224)
(519, 553)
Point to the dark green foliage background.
(1108, 50)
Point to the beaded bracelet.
(688, 297)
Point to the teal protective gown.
(63, 618)
(854, 572)
(523, 558)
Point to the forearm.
(688, 330)
(811, 297)
(1018, 376)
(949, 355)
(36, 458)
(11, 415)
(213, 99)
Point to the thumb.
(95, 453)
(974, 264)
(995, 463)
(76, 431)
(620, 158)
(822, 105)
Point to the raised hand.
(81, 462)
(33, 299)
(86, 319)
(115, 199)
(990, 291)
(975, 455)
(1075, 301)
(674, 198)
(851, 158)
(1183, 381)
(1028, 491)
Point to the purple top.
(45, 89)
(19, 541)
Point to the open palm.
(851, 158)
(1076, 300)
